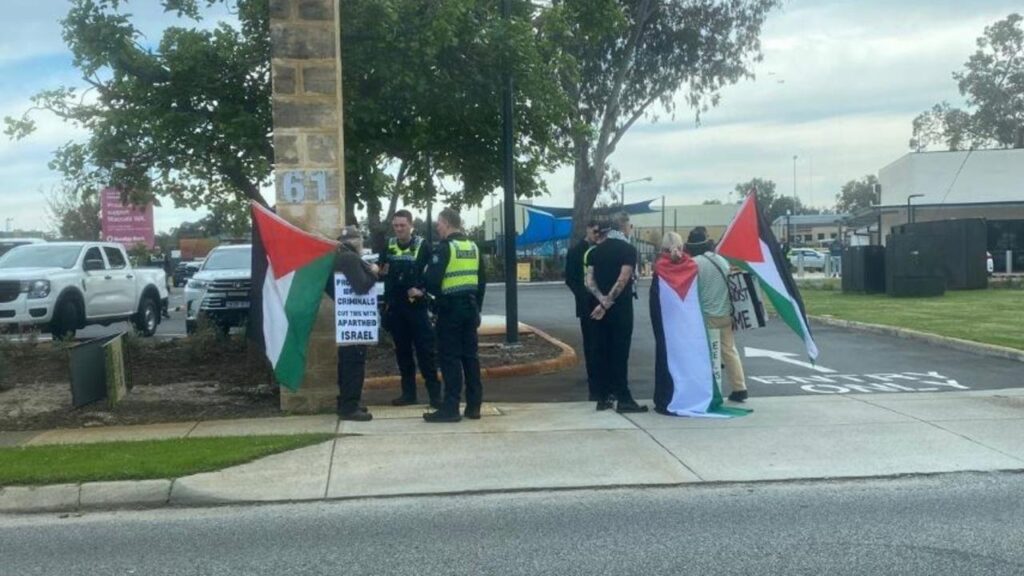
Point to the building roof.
(954, 177)
(811, 219)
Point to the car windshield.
(234, 258)
(41, 256)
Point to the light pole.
(910, 209)
(7, 224)
(794, 178)
(509, 183)
(622, 187)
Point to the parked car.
(185, 270)
(8, 244)
(65, 286)
(219, 291)
(812, 258)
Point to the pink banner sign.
(127, 224)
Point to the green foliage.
(618, 58)
(712, 202)
(857, 194)
(151, 459)
(74, 214)
(770, 202)
(992, 83)
(422, 85)
(187, 119)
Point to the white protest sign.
(747, 309)
(357, 319)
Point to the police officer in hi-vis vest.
(406, 317)
(455, 277)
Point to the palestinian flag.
(750, 244)
(290, 271)
(685, 381)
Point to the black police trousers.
(457, 323)
(613, 336)
(410, 328)
(351, 373)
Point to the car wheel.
(65, 320)
(148, 317)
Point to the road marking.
(861, 383)
(785, 357)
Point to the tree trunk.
(586, 186)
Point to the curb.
(567, 359)
(88, 496)
(71, 505)
(989, 350)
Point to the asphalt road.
(957, 524)
(849, 362)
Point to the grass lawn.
(988, 316)
(139, 460)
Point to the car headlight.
(197, 284)
(36, 289)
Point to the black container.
(913, 266)
(962, 245)
(864, 269)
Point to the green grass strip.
(34, 465)
(986, 316)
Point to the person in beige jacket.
(712, 281)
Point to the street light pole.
(910, 209)
(622, 187)
(794, 179)
(509, 183)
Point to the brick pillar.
(309, 164)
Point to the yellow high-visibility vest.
(398, 254)
(463, 272)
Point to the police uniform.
(455, 277)
(407, 320)
(575, 279)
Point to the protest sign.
(747, 308)
(357, 319)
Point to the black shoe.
(603, 405)
(630, 408)
(357, 416)
(738, 396)
(403, 401)
(473, 413)
(441, 416)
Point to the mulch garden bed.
(202, 377)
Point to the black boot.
(442, 416)
(356, 416)
(738, 396)
(472, 412)
(403, 401)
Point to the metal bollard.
(1009, 262)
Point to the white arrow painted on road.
(784, 357)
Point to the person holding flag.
(749, 244)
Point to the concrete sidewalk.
(557, 446)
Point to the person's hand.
(598, 313)
(414, 293)
(607, 302)
(374, 269)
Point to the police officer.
(454, 276)
(406, 317)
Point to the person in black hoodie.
(352, 358)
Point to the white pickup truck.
(64, 286)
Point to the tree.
(188, 120)
(772, 204)
(857, 194)
(992, 84)
(73, 215)
(712, 202)
(618, 58)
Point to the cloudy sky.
(840, 83)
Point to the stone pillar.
(308, 163)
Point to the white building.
(985, 184)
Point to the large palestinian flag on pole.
(750, 244)
(684, 374)
(290, 271)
